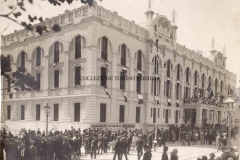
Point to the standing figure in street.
(124, 148)
(164, 155)
(129, 142)
(150, 141)
(202, 137)
(117, 149)
(147, 154)
(224, 140)
(134, 140)
(189, 135)
(219, 141)
(139, 144)
(94, 147)
(32, 151)
(183, 137)
(174, 155)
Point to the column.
(113, 111)
(199, 117)
(15, 116)
(29, 116)
(2, 114)
(131, 112)
(65, 111)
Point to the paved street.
(184, 152)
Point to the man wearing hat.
(23, 153)
(139, 144)
(94, 146)
(124, 148)
(117, 149)
(32, 151)
(147, 154)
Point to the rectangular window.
(164, 88)
(22, 112)
(76, 112)
(151, 112)
(123, 55)
(177, 91)
(78, 47)
(103, 112)
(122, 80)
(56, 78)
(55, 112)
(121, 113)
(139, 83)
(154, 115)
(158, 112)
(77, 75)
(23, 59)
(104, 77)
(139, 60)
(38, 112)
(8, 85)
(38, 57)
(56, 52)
(166, 116)
(168, 89)
(176, 116)
(38, 80)
(137, 114)
(164, 110)
(178, 72)
(104, 48)
(8, 112)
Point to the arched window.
(22, 59)
(139, 60)
(156, 86)
(156, 64)
(178, 71)
(216, 86)
(221, 87)
(169, 67)
(195, 78)
(38, 56)
(203, 80)
(78, 47)
(187, 74)
(104, 48)
(229, 89)
(56, 52)
(123, 54)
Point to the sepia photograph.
(120, 79)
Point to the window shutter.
(164, 88)
(169, 113)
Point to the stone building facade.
(97, 42)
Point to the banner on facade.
(128, 125)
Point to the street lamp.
(229, 107)
(47, 109)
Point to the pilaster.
(199, 116)
(131, 112)
(113, 111)
(90, 110)
(2, 114)
(65, 111)
(15, 116)
(29, 116)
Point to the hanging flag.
(156, 100)
(177, 103)
(140, 99)
(125, 96)
(169, 101)
(106, 62)
(106, 90)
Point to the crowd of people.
(67, 145)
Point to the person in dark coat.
(163, 139)
(139, 144)
(57, 146)
(49, 149)
(124, 148)
(164, 155)
(147, 154)
(183, 137)
(65, 150)
(12, 154)
(129, 142)
(94, 146)
(174, 155)
(117, 149)
(32, 151)
(23, 153)
(150, 140)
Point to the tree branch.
(5, 29)
(1, 15)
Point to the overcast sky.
(198, 21)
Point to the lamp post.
(229, 107)
(47, 109)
